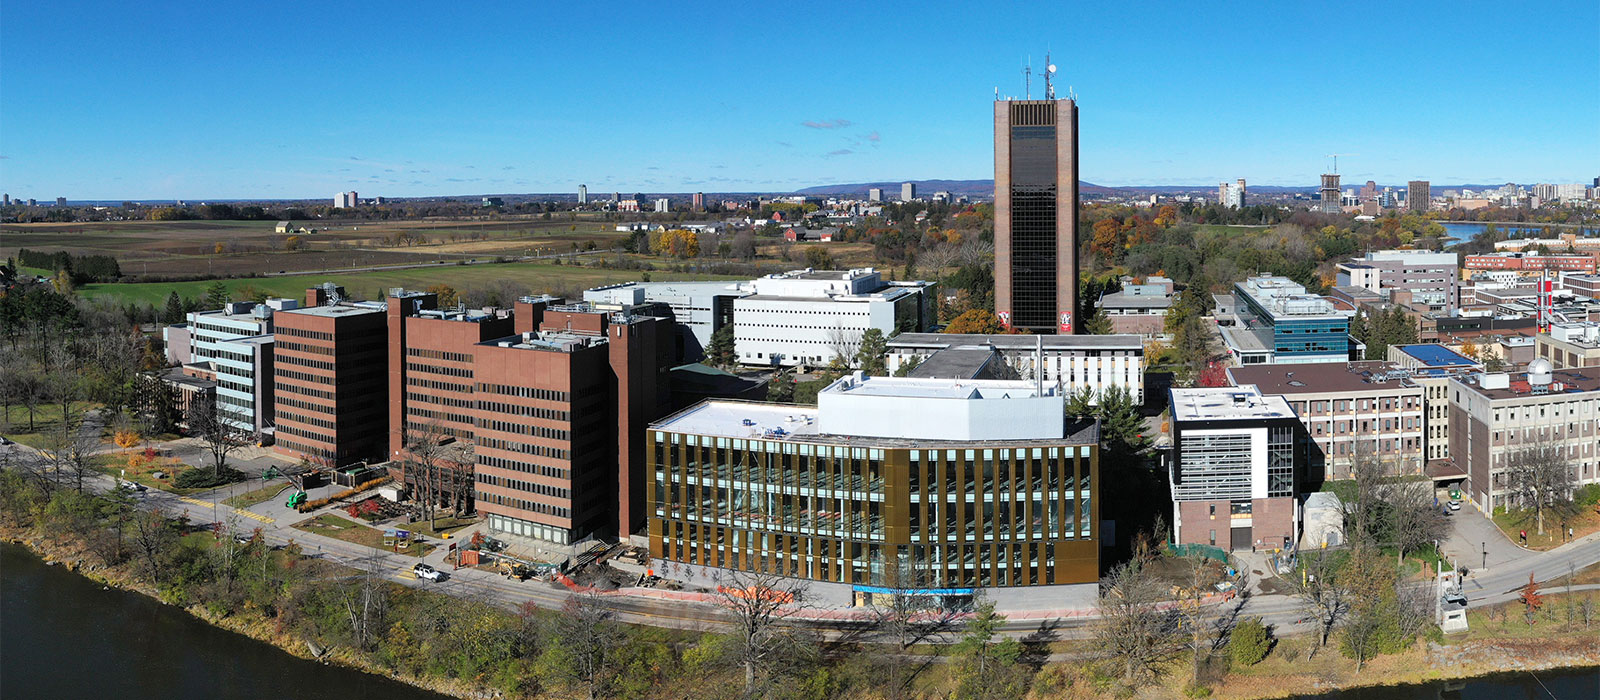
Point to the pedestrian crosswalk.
(256, 516)
(245, 513)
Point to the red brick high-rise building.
(432, 395)
(330, 399)
(1036, 214)
(561, 413)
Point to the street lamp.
(1485, 564)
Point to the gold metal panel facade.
(967, 515)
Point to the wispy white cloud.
(827, 124)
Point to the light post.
(1485, 563)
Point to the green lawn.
(260, 495)
(539, 276)
(117, 465)
(1513, 523)
(45, 418)
(350, 531)
(1224, 228)
(446, 524)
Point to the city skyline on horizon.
(482, 109)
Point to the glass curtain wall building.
(830, 494)
(1276, 321)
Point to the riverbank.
(75, 557)
(1285, 673)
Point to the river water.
(1458, 232)
(64, 636)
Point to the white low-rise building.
(234, 344)
(810, 317)
(700, 308)
(1077, 362)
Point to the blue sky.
(122, 100)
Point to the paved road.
(1500, 583)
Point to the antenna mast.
(1027, 79)
(1049, 72)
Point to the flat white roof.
(338, 310)
(919, 387)
(1227, 403)
(738, 419)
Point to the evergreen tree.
(1080, 404)
(909, 364)
(1121, 427)
(780, 389)
(721, 351)
(872, 355)
(174, 312)
(984, 661)
(1358, 326)
(216, 295)
(1098, 323)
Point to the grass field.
(540, 277)
(351, 531)
(45, 418)
(249, 247)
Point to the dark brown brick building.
(331, 400)
(432, 395)
(1036, 214)
(560, 414)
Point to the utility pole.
(1485, 564)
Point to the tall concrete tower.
(1419, 195)
(1330, 195)
(583, 194)
(1036, 214)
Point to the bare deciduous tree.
(365, 598)
(216, 436)
(905, 617)
(152, 535)
(71, 450)
(1415, 521)
(1206, 617)
(1323, 598)
(1136, 634)
(1540, 479)
(588, 640)
(844, 343)
(759, 603)
(435, 465)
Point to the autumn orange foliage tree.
(678, 243)
(1531, 598)
(127, 439)
(975, 321)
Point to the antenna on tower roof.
(1027, 78)
(1049, 72)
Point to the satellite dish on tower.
(1049, 72)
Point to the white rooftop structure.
(1282, 297)
(893, 408)
(1411, 257)
(1227, 403)
(338, 310)
(819, 283)
(940, 409)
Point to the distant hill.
(985, 188)
(971, 188)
